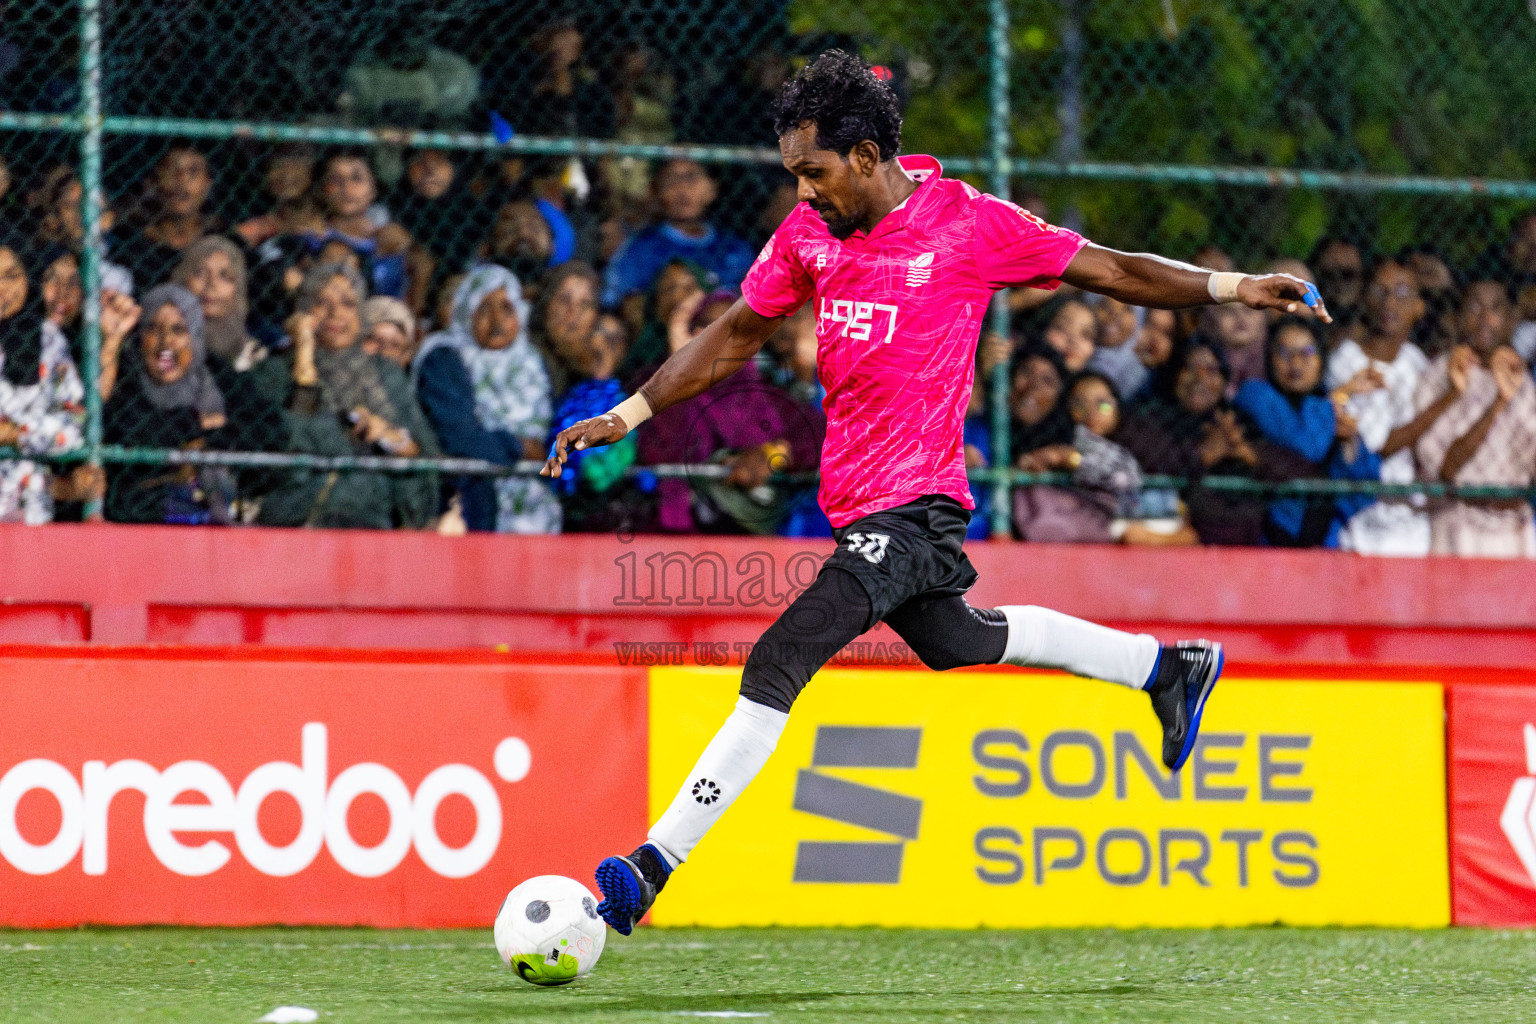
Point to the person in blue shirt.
(1290, 409)
(684, 192)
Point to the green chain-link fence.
(308, 133)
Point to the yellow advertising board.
(1015, 800)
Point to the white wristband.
(634, 410)
(1223, 286)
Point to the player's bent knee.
(943, 657)
(766, 683)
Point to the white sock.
(1041, 638)
(730, 762)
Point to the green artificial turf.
(801, 975)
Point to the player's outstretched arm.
(715, 353)
(1142, 279)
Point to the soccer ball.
(548, 930)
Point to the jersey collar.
(925, 170)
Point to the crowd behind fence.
(308, 264)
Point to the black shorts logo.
(705, 792)
(869, 545)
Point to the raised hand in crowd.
(374, 429)
(301, 329)
(680, 323)
(119, 316)
(1461, 362)
(996, 349)
(371, 428)
(1509, 373)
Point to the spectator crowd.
(427, 304)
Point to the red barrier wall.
(1491, 756)
(177, 585)
(138, 787)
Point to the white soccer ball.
(548, 930)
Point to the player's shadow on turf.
(759, 1001)
(672, 1004)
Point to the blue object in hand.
(1312, 297)
(500, 128)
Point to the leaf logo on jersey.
(869, 545)
(919, 270)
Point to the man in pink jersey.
(901, 264)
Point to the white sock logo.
(1519, 818)
(870, 545)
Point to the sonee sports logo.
(1519, 818)
(827, 796)
(705, 792)
(870, 545)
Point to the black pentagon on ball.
(537, 911)
(589, 907)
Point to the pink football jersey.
(898, 314)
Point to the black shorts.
(906, 552)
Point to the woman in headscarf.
(342, 401)
(1041, 441)
(486, 391)
(564, 320)
(213, 269)
(57, 271)
(389, 331)
(583, 349)
(1189, 429)
(1036, 402)
(1291, 409)
(41, 401)
(679, 286)
(171, 394)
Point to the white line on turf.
(719, 1013)
(289, 1015)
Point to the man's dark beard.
(839, 226)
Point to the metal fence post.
(1001, 457)
(90, 211)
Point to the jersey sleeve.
(777, 283)
(1015, 248)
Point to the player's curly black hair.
(840, 95)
